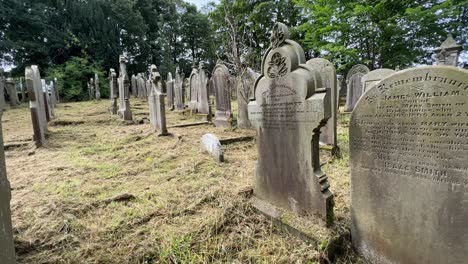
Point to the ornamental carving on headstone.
(288, 110)
(124, 93)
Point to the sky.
(199, 3)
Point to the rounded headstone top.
(358, 68)
(169, 77)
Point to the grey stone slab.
(36, 105)
(97, 87)
(291, 104)
(203, 96)
(49, 110)
(194, 84)
(448, 52)
(179, 96)
(52, 94)
(156, 103)
(170, 92)
(211, 144)
(124, 112)
(248, 78)
(372, 78)
(12, 93)
(134, 86)
(221, 86)
(409, 168)
(113, 91)
(354, 85)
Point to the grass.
(187, 208)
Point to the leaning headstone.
(36, 105)
(170, 91)
(47, 104)
(156, 103)
(220, 79)
(203, 98)
(328, 133)
(7, 248)
(124, 108)
(244, 93)
(113, 108)
(372, 78)
(96, 86)
(134, 86)
(211, 144)
(448, 52)
(409, 169)
(290, 106)
(194, 81)
(12, 93)
(354, 82)
(179, 92)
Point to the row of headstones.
(94, 90)
(408, 153)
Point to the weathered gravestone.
(141, 83)
(2, 90)
(22, 89)
(88, 85)
(354, 84)
(409, 168)
(248, 78)
(91, 83)
(36, 105)
(194, 81)
(97, 87)
(12, 93)
(220, 80)
(134, 86)
(448, 52)
(327, 71)
(124, 108)
(156, 103)
(57, 92)
(52, 94)
(7, 248)
(290, 106)
(179, 92)
(113, 108)
(47, 104)
(210, 143)
(203, 97)
(372, 78)
(170, 91)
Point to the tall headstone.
(220, 79)
(51, 90)
(194, 81)
(124, 108)
(134, 86)
(57, 90)
(372, 78)
(113, 108)
(170, 91)
(203, 97)
(354, 84)
(22, 89)
(92, 86)
(328, 133)
(448, 52)
(179, 92)
(97, 87)
(2, 90)
(141, 83)
(409, 169)
(290, 106)
(90, 96)
(7, 248)
(47, 104)
(156, 102)
(12, 93)
(186, 87)
(36, 105)
(248, 78)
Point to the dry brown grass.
(182, 206)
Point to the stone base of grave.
(222, 122)
(204, 117)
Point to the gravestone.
(354, 85)
(179, 92)
(328, 133)
(36, 105)
(448, 52)
(12, 93)
(210, 143)
(88, 85)
(409, 169)
(156, 103)
(203, 98)
(194, 81)
(51, 90)
(290, 106)
(170, 91)
(2, 90)
(186, 88)
(220, 79)
(141, 82)
(96, 86)
(372, 78)
(248, 78)
(47, 104)
(113, 108)
(57, 90)
(134, 86)
(23, 91)
(124, 107)
(7, 247)
(92, 92)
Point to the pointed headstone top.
(449, 43)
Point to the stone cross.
(156, 103)
(372, 78)
(289, 107)
(36, 104)
(220, 80)
(409, 172)
(170, 91)
(355, 89)
(203, 96)
(124, 108)
(179, 92)
(194, 81)
(448, 52)
(12, 93)
(96, 85)
(113, 108)
(47, 103)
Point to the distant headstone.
(97, 87)
(57, 90)
(290, 106)
(2, 90)
(203, 98)
(170, 91)
(134, 86)
(47, 103)
(328, 133)
(141, 83)
(22, 89)
(36, 105)
(244, 93)
(211, 144)
(372, 78)
(409, 169)
(186, 87)
(51, 90)
(7, 247)
(354, 82)
(124, 108)
(156, 103)
(194, 81)
(220, 79)
(113, 108)
(179, 92)
(12, 93)
(91, 83)
(448, 52)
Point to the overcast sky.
(199, 3)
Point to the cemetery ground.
(105, 191)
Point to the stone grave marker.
(113, 108)
(448, 52)
(203, 97)
(156, 103)
(97, 87)
(2, 90)
(186, 88)
(374, 77)
(194, 81)
(290, 106)
(328, 133)
(48, 107)
(210, 143)
(57, 90)
(170, 91)
(354, 85)
(22, 89)
(124, 107)
(12, 93)
(91, 83)
(141, 82)
(409, 169)
(179, 92)
(36, 105)
(244, 93)
(52, 94)
(134, 86)
(220, 79)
